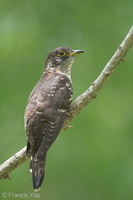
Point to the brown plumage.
(46, 111)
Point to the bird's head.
(62, 59)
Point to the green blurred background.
(93, 160)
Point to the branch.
(12, 163)
(79, 103)
(101, 80)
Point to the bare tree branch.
(79, 103)
(101, 80)
(12, 163)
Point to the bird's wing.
(46, 112)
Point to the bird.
(47, 108)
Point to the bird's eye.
(61, 53)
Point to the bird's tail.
(38, 171)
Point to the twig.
(79, 103)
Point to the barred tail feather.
(38, 171)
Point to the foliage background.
(93, 160)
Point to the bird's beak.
(75, 52)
